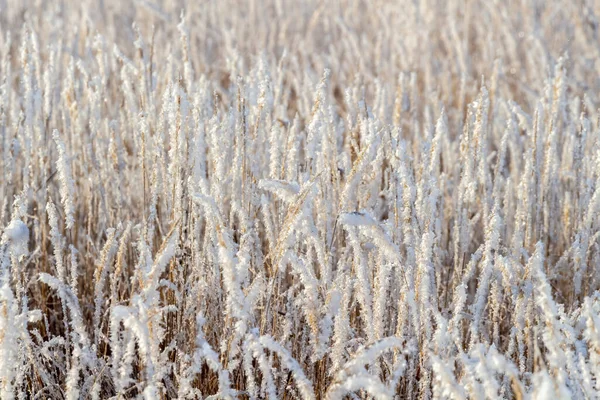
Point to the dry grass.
(314, 199)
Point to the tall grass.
(314, 200)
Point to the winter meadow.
(283, 199)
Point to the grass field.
(342, 199)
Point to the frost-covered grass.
(287, 199)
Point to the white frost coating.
(370, 353)
(16, 235)
(370, 384)
(354, 376)
(356, 218)
(9, 345)
(543, 386)
(67, 184)
(205, 353)
(151, 393)
(287, 191)
(304, 385)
